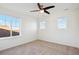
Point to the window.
(15, 26)
(42, 25)
(9, 26)
(62, 22)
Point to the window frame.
(10, 27)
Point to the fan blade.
(39, 6)
(48, 7)
(46, 12)
(34, 10)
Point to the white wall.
(28, 31)
(68, 36)
(30, 25)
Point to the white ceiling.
(25, 8)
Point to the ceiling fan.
(42, 8)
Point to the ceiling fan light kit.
(41, 11)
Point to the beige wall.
(28, 30)
(68, 36)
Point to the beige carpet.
(40, 47)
